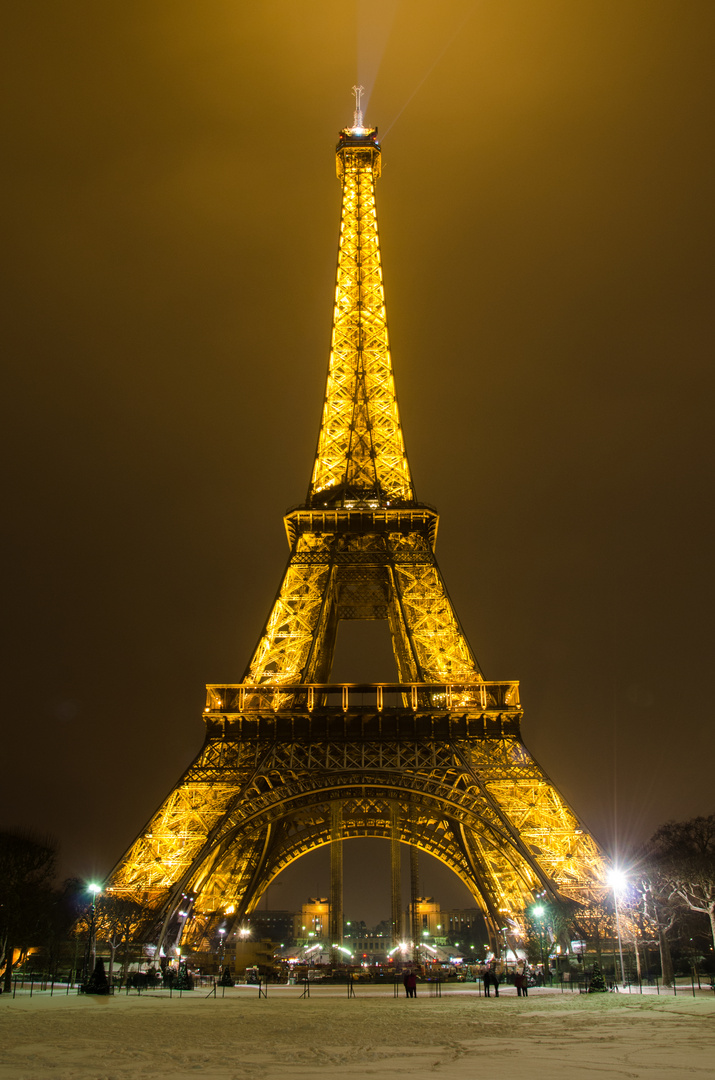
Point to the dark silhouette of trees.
(116, 921)
(678, 876)
(27, 866)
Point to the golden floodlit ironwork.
(291, 761)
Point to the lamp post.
(506, 952)
(91, 954)
(617, 880)
(538, 911)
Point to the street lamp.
(506, 951)
(95, 890)
(617, 881)
(539, 911)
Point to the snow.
(460, 1035)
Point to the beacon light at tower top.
(358, 127)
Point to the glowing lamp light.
(94, 889)
(538, 911)
(617, 879)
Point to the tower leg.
(415, 927)
(494, 935)
(336, 882)
(395, 852)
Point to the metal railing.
(348, 697)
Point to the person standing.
(411, 984)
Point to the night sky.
(171, 216)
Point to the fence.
(33, 983)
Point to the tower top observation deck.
(361, 138)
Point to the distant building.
(313, 922)
(370, 948)
(429, 919)
(251, 953)
(440, 927)
(466, 924)
(275, 925)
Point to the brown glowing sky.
(171, 217)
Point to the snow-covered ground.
(460, 1036)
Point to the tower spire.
(360, 459)
(358, 91)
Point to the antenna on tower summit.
(358, 91)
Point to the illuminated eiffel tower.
(292, 762)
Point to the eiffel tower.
(292, 762)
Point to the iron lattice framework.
(292, 762)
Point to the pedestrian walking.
(493, 977)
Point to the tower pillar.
(396, 876)
(415, 926)
(336, 882)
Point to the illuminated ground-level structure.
(291, 761)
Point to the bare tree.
(681, 861)
(116, 921)
(27, 866)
